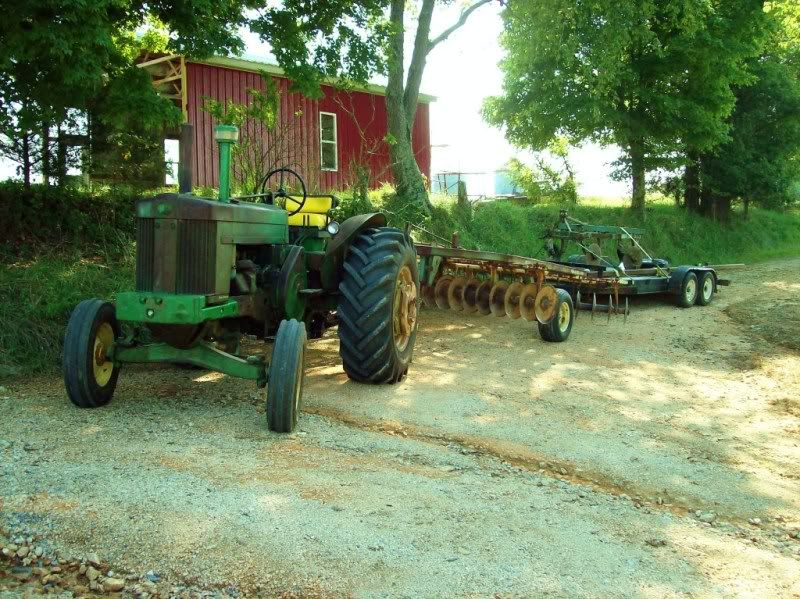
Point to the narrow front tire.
(286, 377)
(90, 376)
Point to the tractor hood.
(189, 207)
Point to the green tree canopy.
(760, 161)
(652, 76)
(58, 56)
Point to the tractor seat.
(314, 213)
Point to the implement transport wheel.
(687, 294)
(286, 376)
(89, 375)
(560, 325)
(378, 300)
(705, 289)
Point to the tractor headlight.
(333, 227)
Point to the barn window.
(328, 146)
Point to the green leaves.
(262, 109)
(654, 76)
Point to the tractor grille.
(195, 250)
(197, 256)
(145, 248)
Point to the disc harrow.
(502, 285)
(551, 291)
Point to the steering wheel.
(269, 197)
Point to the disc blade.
(527, 302)
(455, 294)
(497, 299)
(483, 298)
(440, 292)
(470, 295)
(546, 303)
(512, 300)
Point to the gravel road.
(656, 458)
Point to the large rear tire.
(286, 377)
(378, 301)
(89, 376)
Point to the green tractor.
(276, 267)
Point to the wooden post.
(462, 193)
(185, 165)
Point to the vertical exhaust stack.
(226, 136)
(185, 159)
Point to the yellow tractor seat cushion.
(313, 205)
(305, 219)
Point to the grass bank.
(59, 246)
(64, 246)
(671, 233)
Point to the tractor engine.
(193, 246)
(189, 245)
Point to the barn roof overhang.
(243, 64)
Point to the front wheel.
(378, 300)
(89, 375)
(286, 376)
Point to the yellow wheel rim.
(102, 366)
(563, 317)
(404, 312)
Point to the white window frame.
(335, 142)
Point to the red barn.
(323, 136)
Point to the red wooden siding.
(299, 118)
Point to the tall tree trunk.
(61, 158)
(707, 203)
(637, 176)
(402, 96)
(409, 183)
(46, 153)
(722, 209)
(691, 178)
(26, 160)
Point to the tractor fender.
(352, 227)
(348, 231)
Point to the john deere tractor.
(273, 265)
